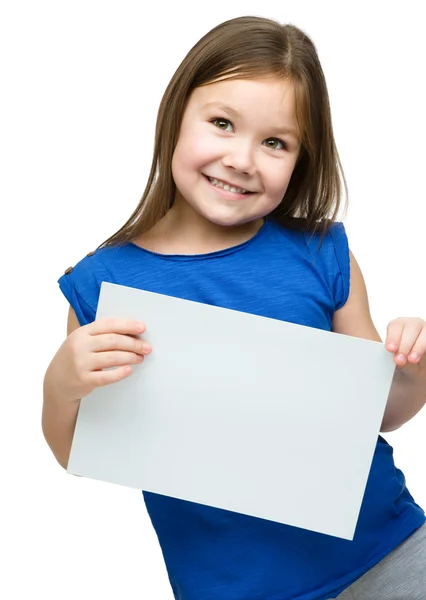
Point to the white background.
(81, 83)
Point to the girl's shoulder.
(100, 260)
(329, 236)
(81, 283)
(326, 250)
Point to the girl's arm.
(80, 366)
(59, 414)
(407, 395)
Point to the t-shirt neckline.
(207, 255)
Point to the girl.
(240, 212)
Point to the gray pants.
(401, 575)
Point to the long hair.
(246, 48)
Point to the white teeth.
(227, 187)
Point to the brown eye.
(221, 123)
(273, 143)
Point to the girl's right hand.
(77, 366)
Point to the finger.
(113, 325)
(394, 334)
(410, 333)
(107, 360)
(101, 378)
(116, 341)
(419, 348)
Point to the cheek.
(278, 182)
(201, 150)
(181, 163)
(190, 155)
(285, 172)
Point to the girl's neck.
(181, 231)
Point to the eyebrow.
(235, 114)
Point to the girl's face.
(237, 148)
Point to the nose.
(239, 156)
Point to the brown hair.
(242, 48)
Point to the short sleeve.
(81, 287)
(340, 264)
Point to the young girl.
(240, 212)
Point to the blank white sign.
(240, 412)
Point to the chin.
(227, 221)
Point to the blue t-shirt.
(211, 553)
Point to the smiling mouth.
(227, 186)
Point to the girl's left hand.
(406, 338)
